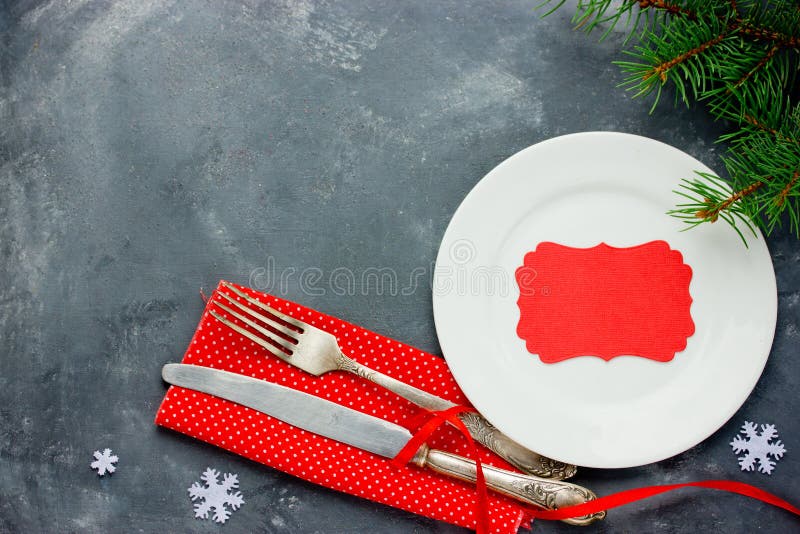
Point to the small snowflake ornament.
(104, 462)
(758, 447)
(215, 495)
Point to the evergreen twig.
(740, 58)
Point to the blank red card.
(604, 301)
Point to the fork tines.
(277, 329)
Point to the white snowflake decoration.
(758, 447)
(104, 462)
(215, 495)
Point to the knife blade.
(371, 434)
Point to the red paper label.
(604, 301)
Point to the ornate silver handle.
(525, 460)
(541, 492)
(481, 430)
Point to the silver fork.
(317, 352)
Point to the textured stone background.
(150, 148)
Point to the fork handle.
(479, 428)
(523, 459)
(541, 492)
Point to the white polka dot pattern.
(328, 463)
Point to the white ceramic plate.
(580, 190)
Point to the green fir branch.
(741, 59)
(708, 198)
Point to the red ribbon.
(637, 494)
(436, 419)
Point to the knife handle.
(479, 428)
(541, 492)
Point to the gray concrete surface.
(150, 148)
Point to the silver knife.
(372, 434)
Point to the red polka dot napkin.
(320, 460)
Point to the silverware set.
(317, 352)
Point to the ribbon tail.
(637, 494)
